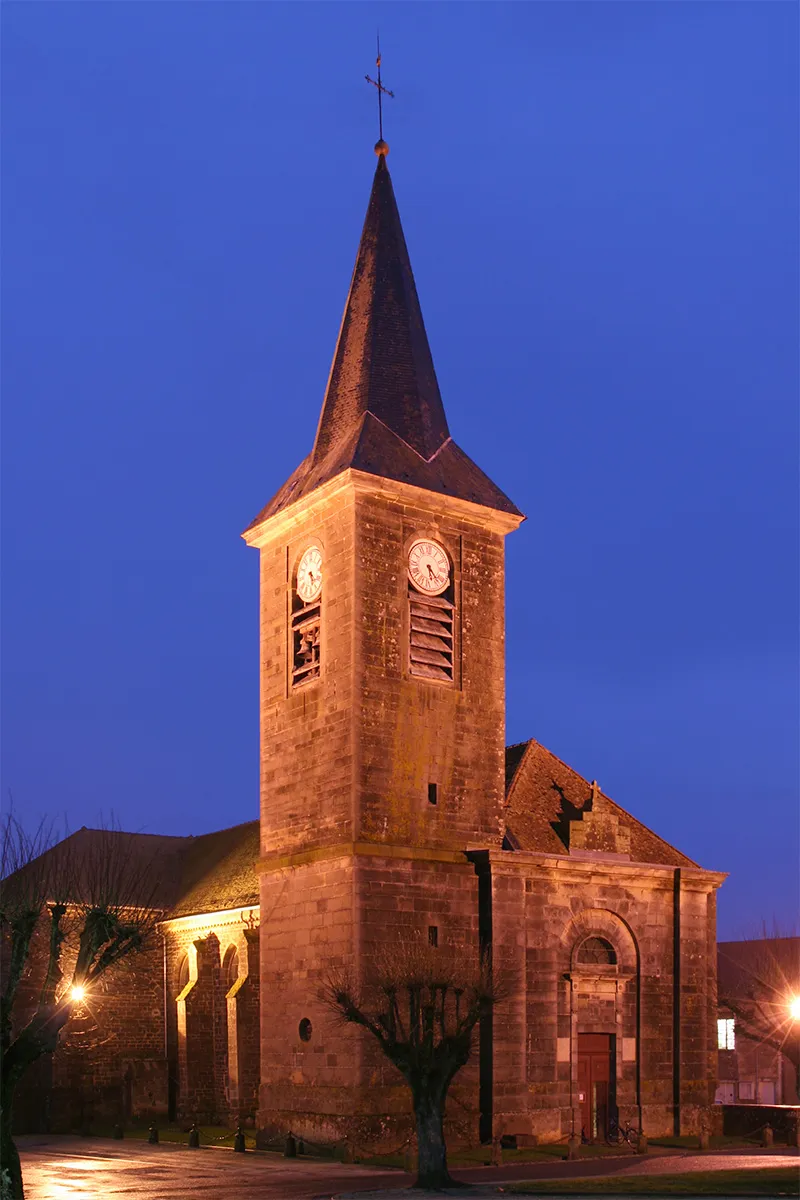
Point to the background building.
(758, 1027)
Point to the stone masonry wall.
(309, 1078)
(213, 1024)
(542, 909)
(307, 733)
(413, 732)
(400, 900)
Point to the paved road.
(98, 1169)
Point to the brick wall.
(110, 1064)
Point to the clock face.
(309, 574)
(428, 567)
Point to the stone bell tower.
(382, 688)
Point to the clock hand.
(430, 571)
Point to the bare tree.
(69, 912)
(421, 1005)
(759, 983)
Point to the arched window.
(230, 967)
(596, 951)
(431, 608)
(306, 617)
(183, 973)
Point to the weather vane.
(381, 147)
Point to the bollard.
(573, 1148)
(767, 1136)
(152, 1135)
(290, 1149)
(704, 1141)
(118, 1132)
(238, 1141)
(641, 1143)
(497, 1152)
(194, 1138)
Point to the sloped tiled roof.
(140, 869)
(543, 794)
(382, 412)
(219, 871)
(179, 875)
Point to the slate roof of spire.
(383, 413)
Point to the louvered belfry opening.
(306, 625)
(431, 634)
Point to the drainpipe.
(166, 1004)
(639, 1038)
(676, 1002)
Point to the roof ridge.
(226, 828)
(175, 837)
(369, 413)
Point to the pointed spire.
(383, 362)
(383, 414)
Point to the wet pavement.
(98, 1169)
(63, 1168)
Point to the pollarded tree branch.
(422, 1004)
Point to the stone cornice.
(282, 525)
(476, 514)
(282, 862)
(518, 861)
(248, 917)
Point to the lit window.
(725, 1035)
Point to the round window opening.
(305, 1030)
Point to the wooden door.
(596, 1077)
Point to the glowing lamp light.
(794, 1008)
(78, 994)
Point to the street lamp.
(794, 1008)
(78, 994)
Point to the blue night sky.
(601, 205)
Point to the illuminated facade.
(391, 809)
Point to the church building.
(392, 809)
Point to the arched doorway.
(601, 1004)
(597, 1058)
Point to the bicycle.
(627, 1133)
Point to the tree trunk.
(432, 1168)
(9, 1158)
(31, 1044)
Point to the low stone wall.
(748, 1120)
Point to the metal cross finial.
(376, 83)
